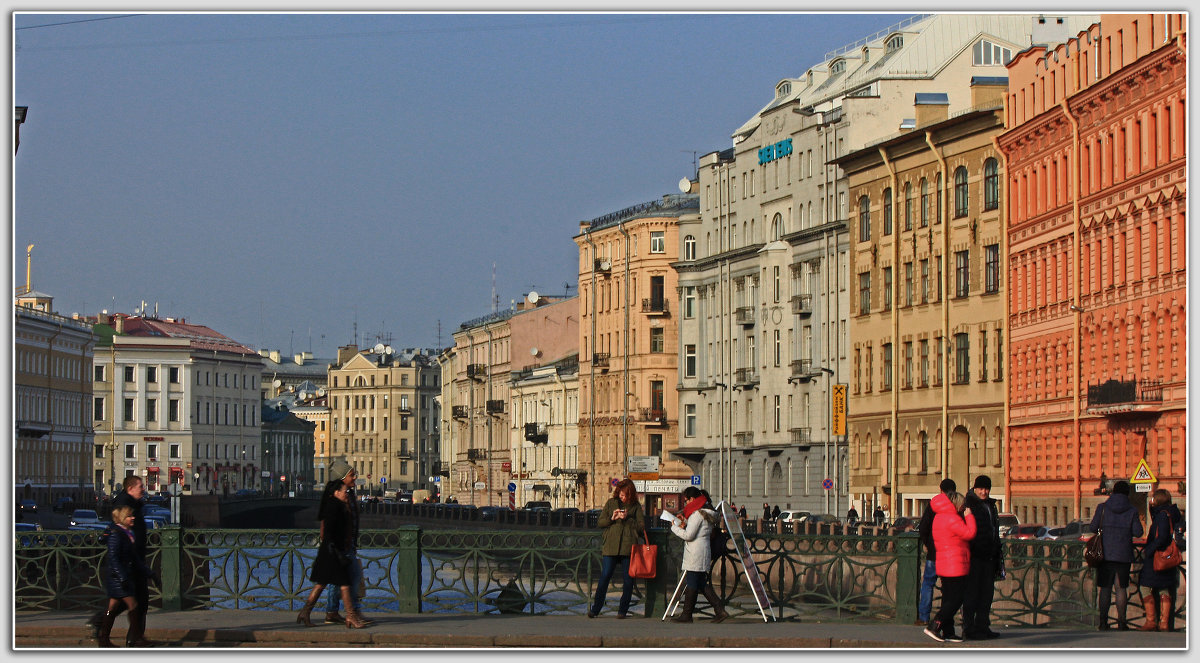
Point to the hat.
(982, 481)
(339, 469)
(947, 486)
(1121, 487)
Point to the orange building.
(1096, 160)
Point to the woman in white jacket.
(694, 525)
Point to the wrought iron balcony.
(495, 407)
(804, 369)
(404, 453)
(404, 408)
(653, 416)
(476, 454)
(801, 436)
(1117, 396)
(602, 265)
(743, 439)
(655, 306)
(459, 411)
(600, 359)
(802, 304)
(745, 377)
(477, 371)
(537, 433)
(744, 315)
(440, 468)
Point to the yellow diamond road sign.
(1142, 474)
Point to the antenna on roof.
(439, 332)
(495, 299)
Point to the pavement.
(267, 629)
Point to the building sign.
(838, 404)
(152, 439)
(775, 151)
(662, 486)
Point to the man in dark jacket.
(986, 562)
(134, 497)
(929, 577)
(1118, 521)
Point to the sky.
(286, 179)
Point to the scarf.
(693, 506)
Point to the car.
(28, 527)
(157, 500)
(61, 505)
(538, 504)
(1076, 529)
(1028, 532)
(245, 492)
(1007, 522)
(489, 513)
(155, 522)
(792, 516)
(904, 524)
(565, 512)
(89, 527)
(817, 518)
(27, 506)
(84, 517)
(404, 498)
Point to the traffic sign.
(827, 484)
(382, 479)
(1141, 487)
(613, 482)
(1142, 474)
(512, 487)
(695, 479)
(437, 479)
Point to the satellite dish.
(320, 392)
(532, 297)
(534, 351)
(605, 265)
(387, 349)
(277, 384)
(378, 348)
(685, 185)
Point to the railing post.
(408, 569)
(170, 555)
(659, 588)
(908, 577)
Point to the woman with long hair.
(695, 526)
(1159, 601)
(332, 566)
(622, 521)
(953, 529)
(123, 562)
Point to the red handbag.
(1167, 558)
(643, 559)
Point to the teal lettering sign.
(775, 151)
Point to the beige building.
(926, 397)
(629, 351)
(52, 396)
(383, 417)
(316, 412)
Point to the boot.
(689, 604)
(1150, 603)
(353, 619)
(305, 612)
(1166, 612)
(334, 618)
(715, 602)
(104, 629)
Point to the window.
(962, 358)
(991, 184)
(908, 283)
(689, 361)
(778, 350)
(658, 242)
(837, 67)
(986, 54)
(983, 355)
(775, 286)
(128, 409)
(887, 288)
(924, 280)
(152, 374)
(174, 450)
(778, 413)
(887, 366)
(173, 375)
(991, 254)
(152, 452)
(129, 374)
(894, 43)
(689, 420)
(924, 202)
(962, 273)
(98, 408)
(939, 279)
(151, 409)
(656, 339)
(887, 211)
(173, 410)
(939, 363)
(130, 451)
(689, 302)
(98, 450)
(908, 206)
(924, 362)
(98, 373)
(999, 355)
(864, 219)
(656, 444)
(939, 194)
(689, 248)
(960, 192)
(864, 293)
(908, 365)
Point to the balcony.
(495, 407)
(804, 369)
(404, 453)
(537, 433)
(459, 411)
(745, 377)
(801, 436)
(477, 371)
(602, 265)
(744, 316)
(743, 439)
(600, 359)
(1124, 396)
(802, 304)
(404, 408)
(652, 416)
(441, 469)
(476, 454)
(655, 307)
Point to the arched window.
(895, 43)
(924, 202)
(887, 211)
(939, 192)
(991, 184)
(776, 227)
(689, 248)
(864, 219)
(923, 441)
(908, 206)
(960, 192)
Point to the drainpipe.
(894, 417)
(488, 460)
(1076, 325)
(1002, 195)
(945, 460)
(592, 377)
(471, 413)
(625, 360)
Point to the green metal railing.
(410, 569)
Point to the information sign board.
(837, 416)
(662, 485)
(642, 464)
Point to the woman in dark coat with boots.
(123, 562)
(331, 567)
(1159, 601)
(1117, 520)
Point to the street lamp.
(111, 448)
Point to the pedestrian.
(852, 515)
(695, 526)
(342, 471)
(775, 513)
(879, 516)
(623, 523)
(1117, 520)
(929, 575)
(742, 512)
(953, 529)
(1159, 602)
(332, 565)
(987, 562)
(132, 495)
(766, 512)
(123, 563)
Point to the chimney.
(119, 323)
(988, 91)
(274, 355)
(345, 353)
(264, 352)
(299, 358)
(931, 107)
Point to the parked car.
(1077, 529)
(1007, 522)
(89, 527)
(27, 506)
(1028, 532)
(84, 517)
(792, 516)
(404, 498)
(489, 513)
(245, 492)
(61, 505)
(904, 524)
(538, 505)
(155, 522)
(159, 511)
(28, 527)
(157, 500)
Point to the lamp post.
(111, 448)
(829, 429)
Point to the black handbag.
(1093, 550)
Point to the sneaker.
(951, 637)
(934, 634)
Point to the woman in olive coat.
(623, 522)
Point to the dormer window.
(810, 77)
(866, 55)
(986, 54)
(837, 67)
(895, 43)
(783, 89)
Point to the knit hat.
(339, 469)
(947, 486)
(1121, 488)
(982, 481)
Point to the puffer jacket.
(697, 555)
(1120, 525)
(1162, 522)
(620, 535)
(952, 536)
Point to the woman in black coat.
(1117, 520)
(123, 562)
(331, 566)
(1160, 600)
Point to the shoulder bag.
(1169, 557)
(1093, 550)
(643, 559)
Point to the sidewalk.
(257, 628)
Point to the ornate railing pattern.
(553, 571)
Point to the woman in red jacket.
(952, 532)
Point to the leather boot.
(1150, 603)
(305, 612)
(689, 604)
(353, 619)
(715, 601)
(104, 629)
(1166, 611)
(334, 618)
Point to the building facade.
(288, 452)
(926, 393)
(629, 346)
(1097, 165)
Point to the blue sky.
(277, 177)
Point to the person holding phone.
(623, 521)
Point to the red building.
(1097, 163)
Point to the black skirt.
(327, 570)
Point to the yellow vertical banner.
(837, 417)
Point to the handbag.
(643, 559)
(1167, 558)
(1093, 550)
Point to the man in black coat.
(987, 562)
(929, 575)
(134, 497)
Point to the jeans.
(696, 580)
(928, 580)
(335, 593)
(609, 566)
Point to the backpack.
(718, 542)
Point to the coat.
(986, 544)
(125, 565)
(139, 521)
(925, 533)
(339, 531)
(1118, 520)
(697, 554)
(1162, 531)
(620, 535)
(951, 536)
